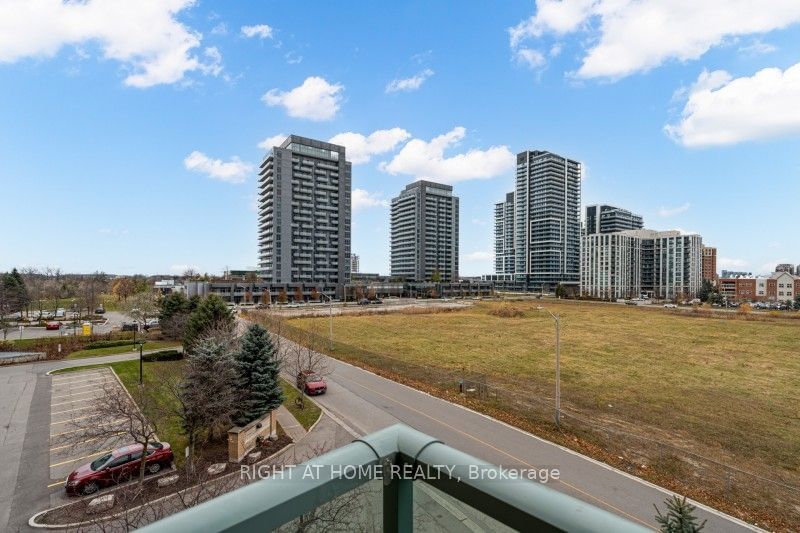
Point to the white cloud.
(672, 211)
(555, 50)
(270, 142)
(359, 148)
(219, 29)
(757, 48)
(214, 65)
(478, 221)
(145, 36)
(629, 36)
(315, 99)
(409, 84)
(262, 31)
(362, 199)
(426, 160)
(293, 58)
(530, 58)
(724, 110)
(233, 171)
(730, 263)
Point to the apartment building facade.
(547, 228)
(424, 233)
(304, 213)
(611, 266)
(779, 287)
(603, 218)
(504, 255)
(710, 264)
(355, 264)
(657, 264)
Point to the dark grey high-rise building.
(609, 219)
(304, 213)
(424, 219)
(547, 226)
(504, 236)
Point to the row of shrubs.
(163, 355)
(108, 344)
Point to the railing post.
(398, 506)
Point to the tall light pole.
(330, 314)
(557, 320)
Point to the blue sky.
(129, 134)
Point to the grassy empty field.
(726, 388)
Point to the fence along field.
(704, 404)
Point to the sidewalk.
(290, 424)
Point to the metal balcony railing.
(278, 501)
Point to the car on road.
(671, 306)
(376, 301)
(311, 383)
(100, 310)
(53, 326)
(117, 466)
(363, 301)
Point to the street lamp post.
(141, 363)
(557, 320)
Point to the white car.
(671, 306)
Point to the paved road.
(366, 402)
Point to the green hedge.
(107, 344)
(163, 355)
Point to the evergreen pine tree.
(209, 390)
(211, 313)
(258, 375)
(679, 517)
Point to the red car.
(311, 383)
(53, 325)
(117, 466)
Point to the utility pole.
(557, 320)
(141, 363)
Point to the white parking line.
(87, 440)
(83, 373)
(78, 376)
(80, 458)
(75, 401)
(84, 386)
(80, 429)
(69, 420)
(71, 383)
(51, 485)
(62, 396)
(72, 410)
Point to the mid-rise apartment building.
(710, 264)
(424, 233)
(547, 227)
(604, 218)
(657, 264)
(304, 213)
(611, 265)
(355, 264)
(504, 256)
(778, 287)
(786, 267)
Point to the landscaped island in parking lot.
(652, 386)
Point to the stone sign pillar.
(242, 439)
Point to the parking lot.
(72, 398)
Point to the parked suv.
(117, 466)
